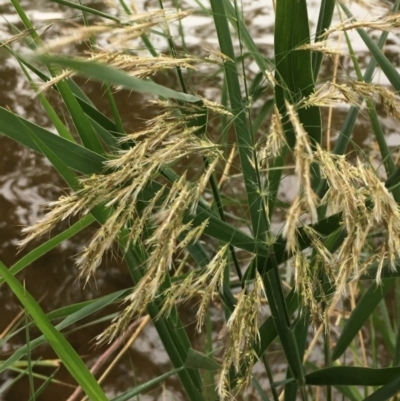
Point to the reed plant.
(188, 200)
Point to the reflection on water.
(27, 181)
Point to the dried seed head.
(64, 208)
(357, 193)
(167, 139)
(387, 98)
(387, 23)
(365, 203)
(321, 46)
(290, 228)
(304, 157)
(332, 94)
(216, 55)
(242, 334)
(305, 283)
(116, 33)
(16, 38)
(271, 79)
(329, 95)
(207, 283)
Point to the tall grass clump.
(190, 199)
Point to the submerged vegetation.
(189, 199)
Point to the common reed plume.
(205, 283)
(271, 144)
(387, 23)
(16, 38)
(363, 202)
(118, 33)
(161, 224)
(353, 93)
(306, 200)
(242, 334)
(322, 47)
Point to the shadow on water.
(27, 181)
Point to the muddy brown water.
(28, 181)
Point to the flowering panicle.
(16, 38)
(387, 98)
(292, 219)
(322, 47)
(242, 334)
(306, 199)
(207, 283)
(365, 203)
(387, 23)
(270, 145)
(306, 282)
(355, 192)
(117, 33)
(121, 190)
(331, 94)
(304, 157)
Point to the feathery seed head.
(166, 139)
(304, 157)
(242, 334)
(387, 23)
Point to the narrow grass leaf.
(352, 376)
(324, 22)
(244, 137)
(300, 332)
(66, 173)
(350, 392)
(385, 392)
(86, 9)
(280, 315)
(97, 116)
(260, 391)
(41, 250)
(195, 360)
(115, 112)
(293, 67)
(72, 314)
(365, 306)
(108, 138)
(267, 329)
(74, 156)
(262, 114)
(43, 386)
(81, 122)
(112, 76)
(58, 124)
(60, 345)
(238, 24)
(84, 129)
(128, 395)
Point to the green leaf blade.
(112, 76)
(61, 346)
